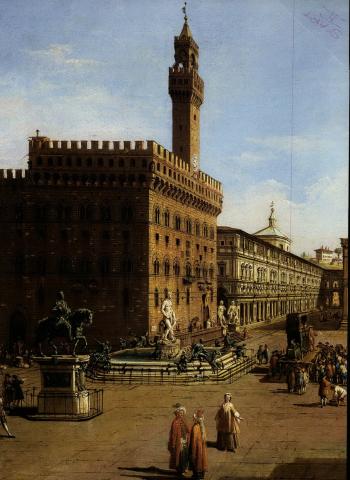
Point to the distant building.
(273, 235)
(324, 255)
(267, 281)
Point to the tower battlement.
(9, 174)
(112, 156)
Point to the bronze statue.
(63, 323)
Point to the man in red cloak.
(198, 446)
(178, 441)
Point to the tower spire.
(186, 89)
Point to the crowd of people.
(329, 370)
(188, 444)
(330, 361)
(18, 355)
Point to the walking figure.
(3, 420)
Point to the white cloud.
(284, 143)
(249, 158)
(320, 219)
(60, 54)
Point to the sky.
(274, 122)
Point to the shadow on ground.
(303, 469)
(149, 473)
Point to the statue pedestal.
(169, 349)
(63, 394)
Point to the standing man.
(3, 420)
(178, 441)
(198, 446)
(324, 390)
(227, 425)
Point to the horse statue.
(72, 329)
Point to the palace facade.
(116, 225)
(267, 281)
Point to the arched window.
(177, 297)
(105, 213)
(198, 229)
(156, 297)
(125, 297)
(65, 265)
(166, 267)
(212, 234)
(188, 225)
(126, 214)
(40, 213)
(205, 230)
(177, 222)
(205, 271)
(211, 272)
(105, 265)
(19, 212)
(127, 265)
(157, 215)
(166, 218)
(19, 264)
(82, 212)
(188, 296)
(85, 265)
(197, 270)
(188, 270)
(250, 272)
(156, 267)
(89, 211)
(41, 265)
(176, 268)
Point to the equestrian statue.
(64, 324)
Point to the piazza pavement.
(283, 436)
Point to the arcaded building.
(266, 280)
(116, 225)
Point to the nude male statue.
(169, 318)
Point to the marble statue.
(169, 319)
(233, 313)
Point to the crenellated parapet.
(10, 175)
(108, 158)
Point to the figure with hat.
(198, 446)
(178, 441)
(227, 425)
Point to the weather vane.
(184, 11)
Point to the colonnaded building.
(116, 225)
(267, 281)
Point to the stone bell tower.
(186, 89)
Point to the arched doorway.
(17, 327)
(222, 295)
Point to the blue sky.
(82, 69)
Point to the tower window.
(194, 117)
(180, 127)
